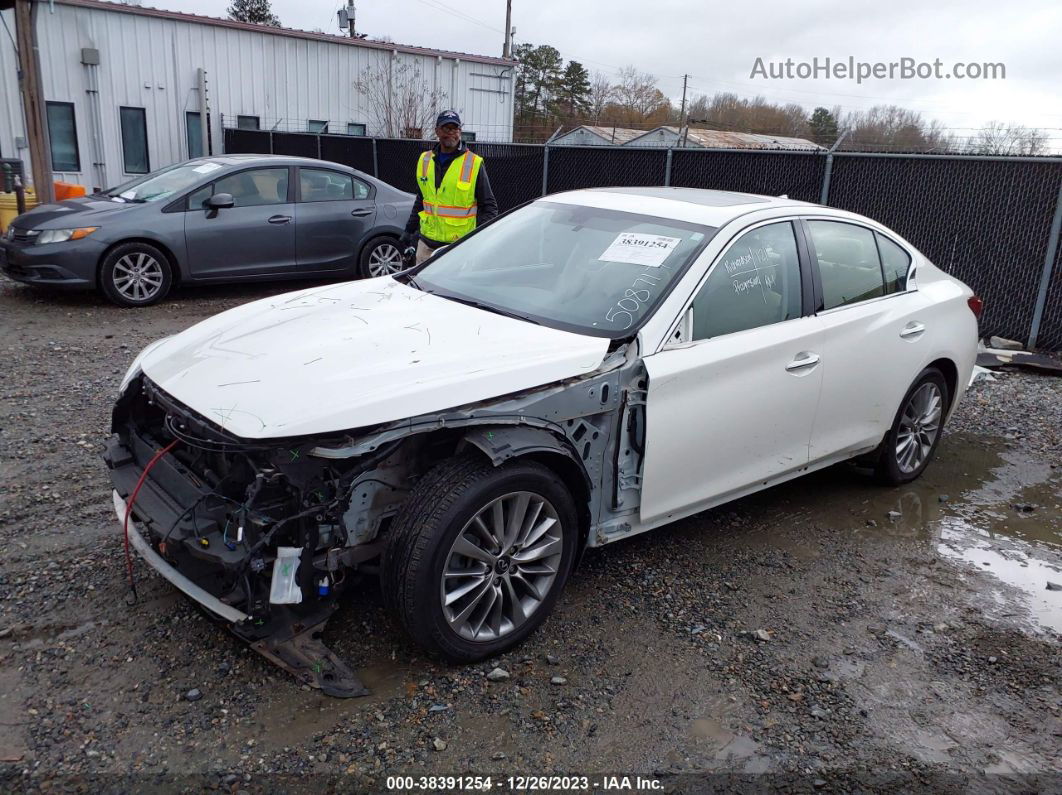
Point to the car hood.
(354, 355)
(84, 211)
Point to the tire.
(380, 257)
(135, 274)
(423, 544)
(916, 430)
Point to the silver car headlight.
(62, 235)
(134, 368)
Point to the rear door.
(875, 333)
(256, 237)
(731, 403)
(333, 212)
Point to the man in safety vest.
(455, 195)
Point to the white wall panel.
(151, 62)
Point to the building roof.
(617, 135)
(122, 8)
(723, 139)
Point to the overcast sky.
(717, 45)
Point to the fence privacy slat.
(985, 220)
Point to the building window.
(468, 135)
(247, 123)
(193, 125)
(134, 141)
(355, 129)
(62, 136)
(317, 126)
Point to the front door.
(332, 215)
(256, 237)
(733, 407)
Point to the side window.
(324, 185)
(848, 262)
(756, 283)
(256, 187)
(195, 200)
(361, 190)
(895, 262)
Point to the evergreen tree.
(537, 78)
(257, 12)
(823, 127)
(573, 91)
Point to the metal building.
(698, 138)
(130, 89)
(589, 135)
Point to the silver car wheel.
(385, 258)
(501, 567)
(138, 276)
(919, 427)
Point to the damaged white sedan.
(587, 367)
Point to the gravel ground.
(800, 639)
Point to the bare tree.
(601, 93)
(637, 96)
(998, 138)
(892, 128)
(404, 104)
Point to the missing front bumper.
(295, 643)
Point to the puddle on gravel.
(1002, 516)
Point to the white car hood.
(357, 354)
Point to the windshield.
(164, 183)
(593, 271)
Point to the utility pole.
(507, 47)
(346, 19)
(29, 81)
(682, 123)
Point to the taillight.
(977, 306)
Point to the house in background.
(719, 139)
(588, 135)
(130, 89)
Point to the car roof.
(696, 205)
(280, 160)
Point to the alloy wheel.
(138, 277)
(384, 259)
(919, 427)
(501, 566)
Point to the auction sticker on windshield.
(206, 168)
(639, 249)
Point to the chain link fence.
(986, 220)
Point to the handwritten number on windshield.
(634, 300)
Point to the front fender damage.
(218, 509)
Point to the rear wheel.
(479, 555)
(911, 442)
(135, 274)
(380, 258)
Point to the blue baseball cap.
(448, 117)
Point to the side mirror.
(220, 201)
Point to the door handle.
(803, 362)
(360, 213)
(913, 330)
(279, 219)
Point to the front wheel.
(135, 274)
(478, 555)
(380, 258)
(911, 442)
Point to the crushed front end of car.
(252, 530)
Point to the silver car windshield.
(584, 269)
(164, 183)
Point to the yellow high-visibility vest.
(450, 211)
